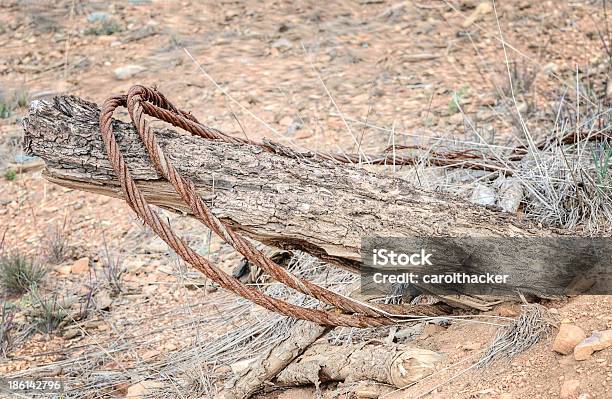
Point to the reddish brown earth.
(394, 64)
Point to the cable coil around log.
(142, 100)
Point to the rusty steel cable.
(141, 100)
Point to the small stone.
(73, 333)
(409, 332)
(156, 246)
(550, 68)
(510, 195)
(507, 310)
(522, 107)
(483, 195)
(567, 338)
(456, 119)
(80, 266)
(569, 389)
(127, 71)
(286, 121)
(282, 44)
(64, 269)
(597, 341)
(143, 389)
(90, 324)
(481, 10)
(584, 396)
(103, 300)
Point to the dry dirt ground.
(308, 74)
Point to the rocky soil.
(333, 76)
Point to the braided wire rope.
(141, 100)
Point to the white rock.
(127, 71)
(156, 246)
(483, 195)
(599, 340)
(282, 43)
(550, 68)
(510, 195)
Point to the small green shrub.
(10, 175)
(5, 110)
(455, 103)
(22, 97)
(113, 271)
(56, 243)
(47, 312)
(602, 157)
(18, 273)
(6, 328)
(104, 28)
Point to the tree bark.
(323, 208)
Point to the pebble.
(282, 44)
(483, 195)
(550, 68)
(80, 266)
(481, 10)
(510, 195)
(156, 246)
(127, 71)
(456, 119)
(569, 389)
(103, 300)
(597, 341)
(567, 338)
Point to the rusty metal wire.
(141, 100)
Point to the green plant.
(5, 110)
(56, 243)
(602, 158)
(455, 103)
(104, 28)
(113, 270)
(18, 273)
(21, 97)
(10, 175)
(6, 327)
(47, 314)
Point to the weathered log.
(266, 366)
(396, 365)
(323, 208)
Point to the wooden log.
(323, 208)
(266, 366)
(396, 365)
